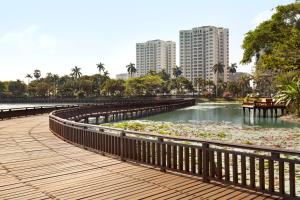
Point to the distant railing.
(270, 170)
(98, 99)
(26, 111)
(8, 113)
(265, 104)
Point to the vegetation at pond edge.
(288, 138)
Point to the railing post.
(122, 146)
(163, 154)
(205, 157)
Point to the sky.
(54, 36)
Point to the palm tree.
(106, 74)
(100, 67)
(55, 79)
(177, 71)
(211, 85)
(28, 76)
(131, 69)
(244, 83)
(217, 69)
(76, 72)
(290, 94)
(232, 68)
(37, 74)
(200, 83)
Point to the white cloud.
(23, 50)
(46, 41)
(262, 16)
(29, 39)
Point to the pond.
(221, 112)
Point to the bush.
(227, 95)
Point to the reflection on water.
(226, 113)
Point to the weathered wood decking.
(35, 164)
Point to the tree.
(217, 69)
(232, 87)
(290, 95)
(42, 89)
(100, 67)
(17, 88)
(106, 75)
(200, 83)
(28, 76)
(211, 86)
(263, 84)
(177, 71)
(37, 74)
(134, 86)
(275, 43)
(152, 84)
(131, 69)
(114, 87)
(244, 84)
(164, 75)
(221, 87)
(2, 88)
(76, 72)
(232, 68)
(86, 85)
(181, 85)
(66, 86)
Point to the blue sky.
(56, 35)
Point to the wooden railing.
(35, 110)
(270, 170)
(26, 111)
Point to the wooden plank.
(292, 180)
(227, 170)
(281, 177)
(252, 172)
(243, 170)
(174, 155)
(187, 159)
(180, 158)
(169, 156)
(271, 175)
(261, 174)
(234, 169)
(199, 161)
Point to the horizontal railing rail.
(26, 111)
(265, 169)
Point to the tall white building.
(200, 49)
(155, 55)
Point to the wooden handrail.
(260, 168)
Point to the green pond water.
(218, 112)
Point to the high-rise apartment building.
(155, 55)
(200, 49)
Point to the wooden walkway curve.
(35, 164)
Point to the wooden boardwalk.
(35, 164)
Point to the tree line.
(154, 83)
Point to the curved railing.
(270, 170)
(27, 111)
